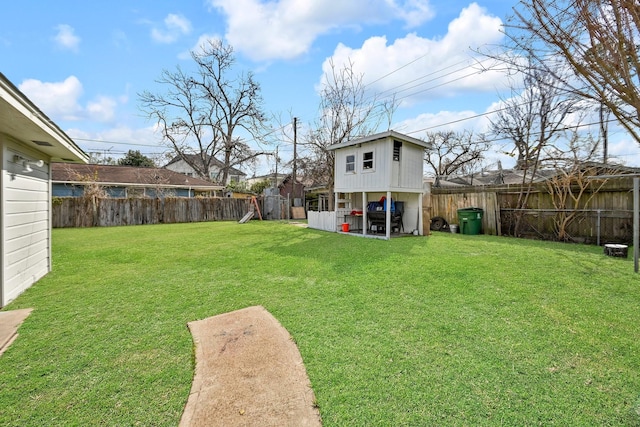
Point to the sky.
(84, 63)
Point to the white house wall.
(184, 168)
(25, 225)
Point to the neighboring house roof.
(194, 158)
(494, 177)
(382, 135)
(517, 176)
(612, 168)
(299, 179)
(268, 177)
(126, 175)
(317, 189)
(22, 120)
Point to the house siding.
(25, 227)
(215, 172)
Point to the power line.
(409, 63)
(505, 138)
(114, 142)
(434, 79)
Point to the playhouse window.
(351, 163)
(367, 160)
(396, 150)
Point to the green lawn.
(446, 330)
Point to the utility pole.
(275, 184)
(295, 141)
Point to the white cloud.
(66, 39)
(58, 100)
(413, 12)
(624, 149)
(102, 109)
(457, 121)
(285, 29)
(203, 40)
(61, 100)
(174, 27)
(416, 69)
(120, 40)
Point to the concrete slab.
(10, 321)
(249, 372)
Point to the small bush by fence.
(105, 212)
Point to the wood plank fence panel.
(447, 205)
(607, 218)
(107, 212)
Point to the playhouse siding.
(409, 169)
(404, 175)
(25, 225)
(360, 178)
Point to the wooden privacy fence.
(105, 212)
(608, 218)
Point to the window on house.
(367, 160)
(235, 178)
(396, 150)
(351, 163)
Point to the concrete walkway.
(10, 321)
(249, 372)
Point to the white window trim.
(355, 164)
(373, 161)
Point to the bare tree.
(453, 152)
(573, 186)
(535, 117)
(534, 121)
(599, 41)
(200, 114)
(346, 112)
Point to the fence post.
(598, 228)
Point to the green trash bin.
(470, 220)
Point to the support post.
(388, 216)
(335, 208)
(365, 220)
(636, 221)
(420, 214)
(598, 227)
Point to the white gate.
(322, 220)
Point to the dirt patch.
(249, 372)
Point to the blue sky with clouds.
(84, 63)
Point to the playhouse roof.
(383, 135)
